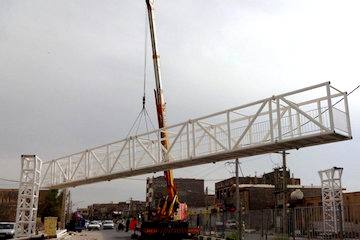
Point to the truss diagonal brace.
(146, 150)
(98, 161)
(250, 123)
(291, 104)
(212, 136)
(176, 138)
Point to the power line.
(356, 88)
(205, 179)
(8, 180)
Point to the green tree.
(51, 206)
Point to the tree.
(51, 205)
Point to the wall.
(8, 203)
(190, 191)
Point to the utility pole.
(130, 207)
(284, 190)
(238, 205)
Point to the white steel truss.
(292, 120)
(332, 199)
(28, 196)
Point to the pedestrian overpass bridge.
(306, 117)
(293, 120)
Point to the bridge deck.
(307, 116)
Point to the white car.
(108, 224)
(86, 223)
(94, 225)
(7, 230)
(231, 223)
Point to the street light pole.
(284, 190)
(238, 205)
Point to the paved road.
(100, 235)
(114, 235)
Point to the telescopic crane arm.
(167, 210)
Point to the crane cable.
(144, 112)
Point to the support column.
(332, 200)
(28, 196)
(64, 204)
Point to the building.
(84, 212)
(258, 193)
(210, 200)
(8, 203)
(102, 211)
(349, 199)
(189, 190)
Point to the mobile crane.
(162, 225)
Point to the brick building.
(8, 203)
(259, 192)
(84, 212)
(102, 211)
(349, 199)
(210, 200)
(189, 190)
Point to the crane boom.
(167, 209)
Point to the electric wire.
(8, 180)
(210, 171)
(205, 179)
(242, 174)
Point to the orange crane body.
(167, 210)
(163, 226)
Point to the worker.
(120, 225)
(127, 224)
(132, 226)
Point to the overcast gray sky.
(71, 75)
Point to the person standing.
(132, 225)
(127, 224)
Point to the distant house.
(189, 190)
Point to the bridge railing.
(314, 110)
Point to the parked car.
(7, 230)
(219, 224)
(99, 222)
(94, 225)
(108, 224)
(231, 223)
(87, 223)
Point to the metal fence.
(300, 223)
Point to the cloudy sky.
(71, 75)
